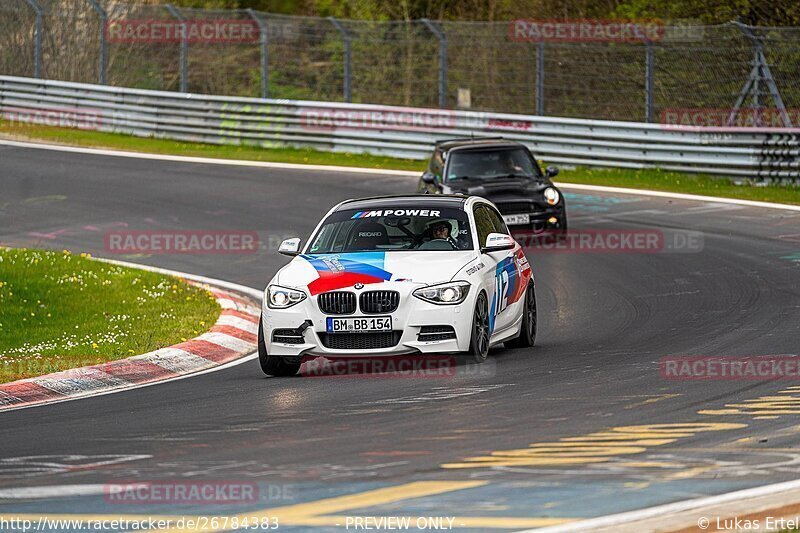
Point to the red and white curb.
(233, 336)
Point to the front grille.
(360, 341)
(436, 333)
(337, 303)
(287, 336)
(510, 208)
(374, 302)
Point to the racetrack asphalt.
(606, 319)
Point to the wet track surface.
(606, 319)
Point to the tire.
(479, 340)
(273, 365)
(527, 331)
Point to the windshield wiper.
(501, 176)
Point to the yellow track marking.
(592, 448)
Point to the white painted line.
(375, 171)
(678, 196)
(52, 491)
(668, 509)
(205, 160)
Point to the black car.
(502, 171)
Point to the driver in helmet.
(440, 229)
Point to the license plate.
(359, 324)
(517, 219)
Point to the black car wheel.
(272, 365)
(527, 331)
(479, 342)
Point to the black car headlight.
(444, 294)
(283, 297)
(551, 196)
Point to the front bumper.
(407, 321)
(541, 219)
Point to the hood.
(328, 272)
(498, 187)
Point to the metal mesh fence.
(475, 65)
(17, 37)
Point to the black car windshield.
(403, 228)
(490, 164)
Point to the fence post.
(346, 40)
(263, 43)
(540, 79)
(760, 71)
(649, 76)
(103, 16)
(439, 34)
(184, 57)
(37, 46)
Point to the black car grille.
(374, 302)
(436, 333)
(508, 208)
(287, 336)
(360, 341)
(337, 303)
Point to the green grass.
(59, 311)
(640, 179)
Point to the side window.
(484, 224)
(497, 222)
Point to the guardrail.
(398, 131)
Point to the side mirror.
(497, 242)
(551, 172)
(429, 178)
(290, 247)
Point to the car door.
(501, 274)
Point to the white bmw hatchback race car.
(399, 275)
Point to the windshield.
(488, 164)
(396, 228)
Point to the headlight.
(280, 297)
(551, 196)
(444, 294)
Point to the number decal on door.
(501, 291)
